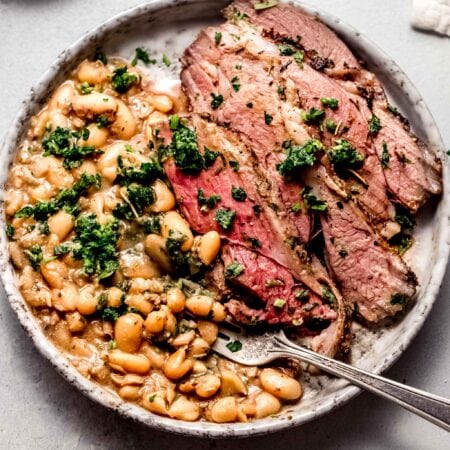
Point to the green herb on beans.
(217, 37)
(100, 56)
(64, 143)
(95, 244)
(35, 256)
(85, 88)
(122, 80)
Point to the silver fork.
(256, 350)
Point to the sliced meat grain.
(371, 276)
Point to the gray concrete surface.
(38, 409)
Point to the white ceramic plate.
(168, 26)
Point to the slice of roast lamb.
(415, 171)
(371, 276)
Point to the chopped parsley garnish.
(140, 197)
(62, 249)
(344, 156)
(234, 346)
(66, 198)
(281, 91)
(279, 303)
(217, 37)
(142, 55)
(225, 218)
(238, 15)
(166, 60)
(102, 121)
(234, 165)
(100, 56)
(267, 118)
(35, 256)
(216, 101)
(152, 225)
(299, 156)
(64, 143)
(385, 157)
(314, 116)
(266, 4)
(184, 149)
(173, 247)
(44, 228)
(235, 84)
(207, 203)
(174, 121)
(85, 88)
(404, 218)
(209, 157)
(250, 105)
(111, 314)
(330, 125)
(145, 174)
(95, 245)
(330, 102)
(399, 299)
(286, 49)
(296, 207)
(122, 80)
(271, 283)
(312, 202)
(238, 194)
(402, 242)
(328, 295)
(234, 269)
(10, 230)
(299, 57)
(374, 125)
(151, 398)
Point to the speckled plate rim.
(204, 429)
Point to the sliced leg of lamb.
(415, 172)
(371, 276)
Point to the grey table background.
(38, 409)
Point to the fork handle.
(431, 407)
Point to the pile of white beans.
(154, 355)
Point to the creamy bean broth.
(103, 257)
